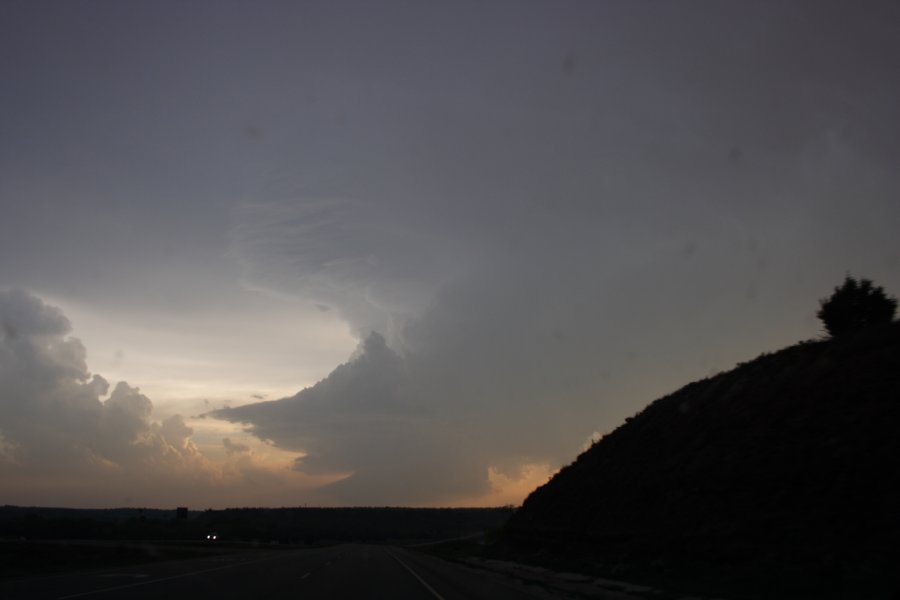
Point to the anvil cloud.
(530, 218)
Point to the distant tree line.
(285, 525)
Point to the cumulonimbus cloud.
(52, 415)
(539, 253)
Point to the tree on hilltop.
(855, 305)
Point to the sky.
(406, 253)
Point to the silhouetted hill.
(784, 469)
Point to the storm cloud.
(668, 198)
(533, 218)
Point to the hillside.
(778, 477)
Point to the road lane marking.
(169, 578)
(306, 575)
(416, 575)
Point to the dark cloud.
(541, 261)
(547, 213)
(369, 420)
(234, 447)
(24, 315)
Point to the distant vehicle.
(212, 536)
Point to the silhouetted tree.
(854, 305)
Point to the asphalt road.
(346, 571)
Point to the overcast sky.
(282, 253)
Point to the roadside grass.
(24, 558)
(731, 578)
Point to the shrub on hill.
(855, 305)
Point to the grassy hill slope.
(779, 478)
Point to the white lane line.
(169, 578)
(416, 575)
(306, 575)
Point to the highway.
(345, 571)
